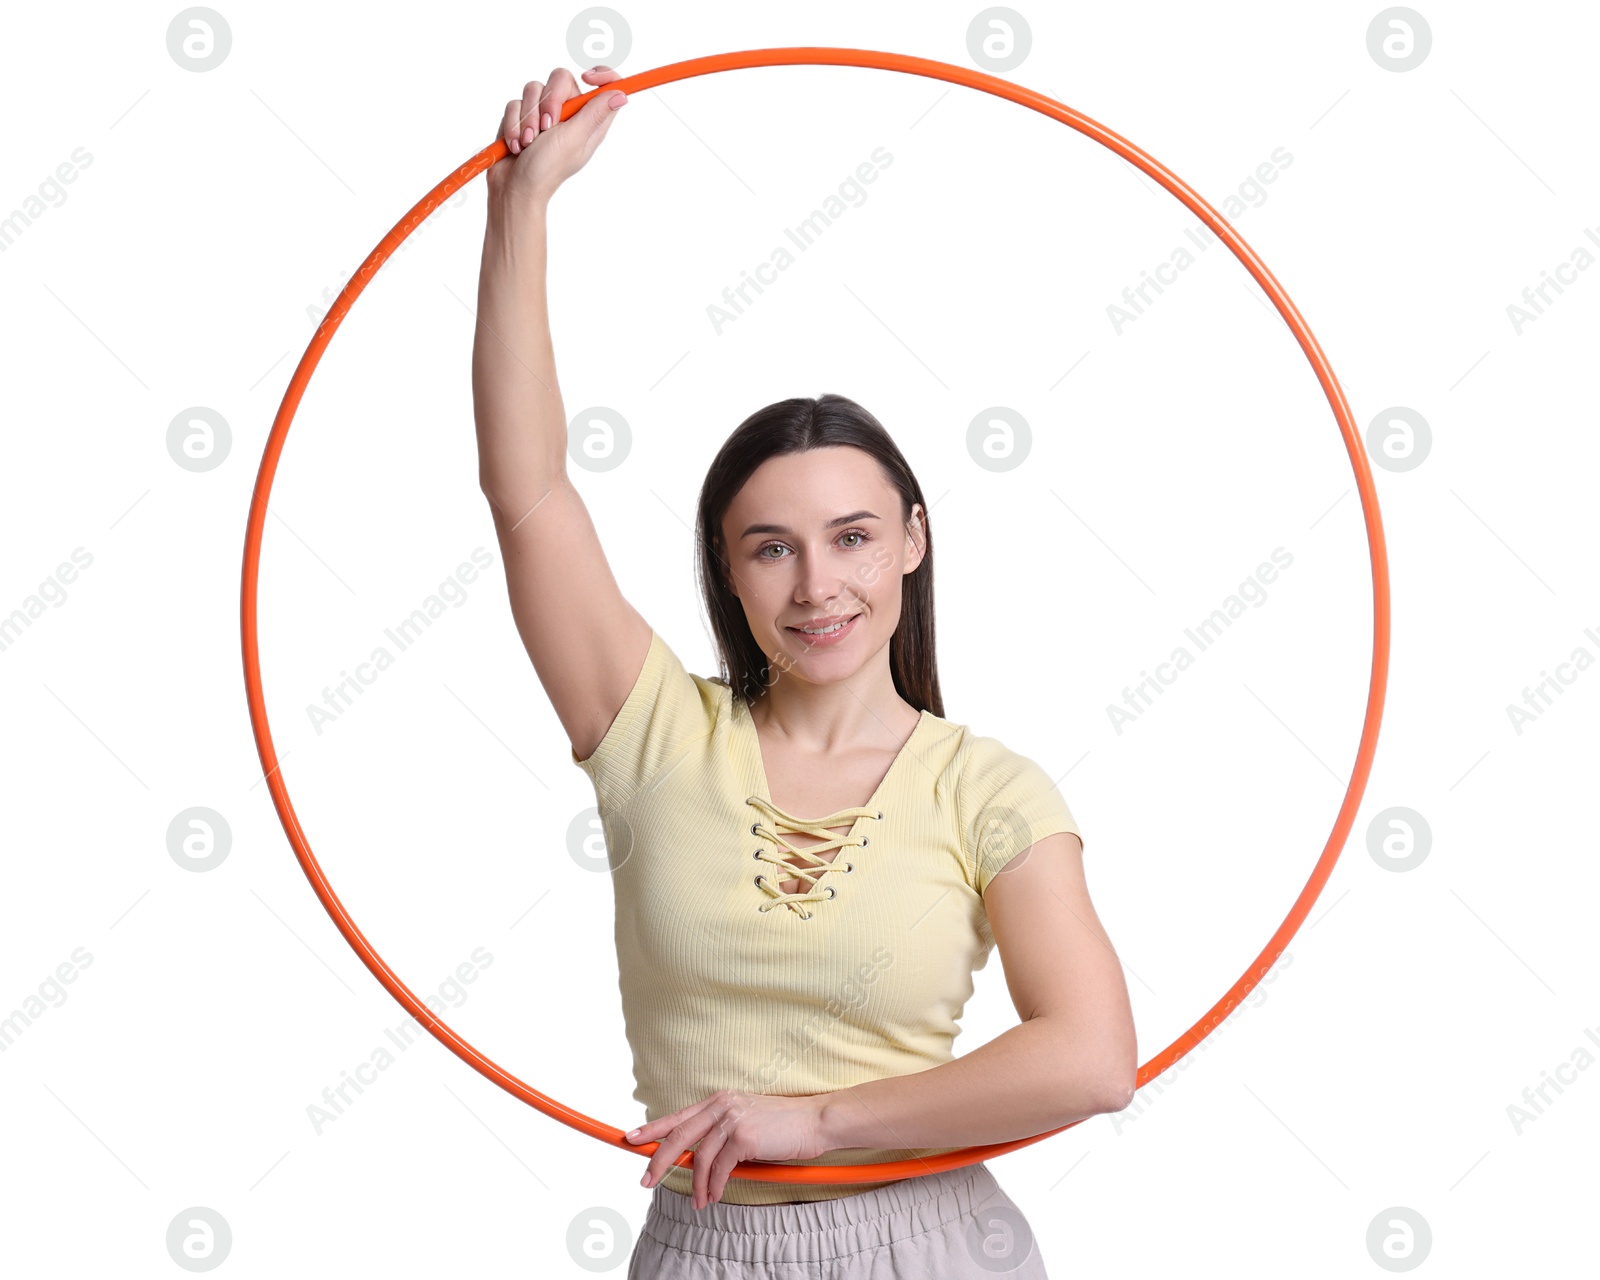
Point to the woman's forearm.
(1029, 1080)
(521, 425)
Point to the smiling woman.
(805, 825)
(877, 838)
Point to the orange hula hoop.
(755, 1170)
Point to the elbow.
(1098, 1094)
(1115, 1084)
(1093, 1093)
(1116, 1092)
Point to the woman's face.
(812, 540)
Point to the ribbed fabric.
(814, 993)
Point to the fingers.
(561, 86)
(528, 116)
(541, 103)
(712, 1159)
(707, 1128)
(661, 1124)
(683, 1136)
(597, 114)
(508, 124)
(721, 1167)
(680, 1138)
(700, 1175)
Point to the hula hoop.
(758, 1171)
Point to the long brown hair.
(796, 426)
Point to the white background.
(184, 266)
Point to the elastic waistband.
(820, 1229)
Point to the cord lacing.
(815, 867)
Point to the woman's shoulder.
(707, 700)
(1006, 801)
(667, 709)
(970, 748)
(989, 770)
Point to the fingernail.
(645, 1181)
(546, 124)
(617, 99)
(633, 1134)
(527, 135)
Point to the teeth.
(825, 630)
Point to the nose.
(820, 587)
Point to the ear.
(916, 538)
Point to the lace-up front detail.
(812, 870)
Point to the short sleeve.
(666, 709)
(1006, 803)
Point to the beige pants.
(943, 1226)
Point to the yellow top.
(729, 983)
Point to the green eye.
(862, 539)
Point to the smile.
(827, 635)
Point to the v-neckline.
(765, 787)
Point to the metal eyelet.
(849, 867)
(759, 879)
(754, 825)
(880, 815)
(756, 854)
(865, 841)
(831, 893)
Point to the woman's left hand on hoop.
(729, 1126)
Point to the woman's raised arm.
(587, 643)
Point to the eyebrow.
(832, 524)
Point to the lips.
(827, 639)
(819, 625)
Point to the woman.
(791, 984)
